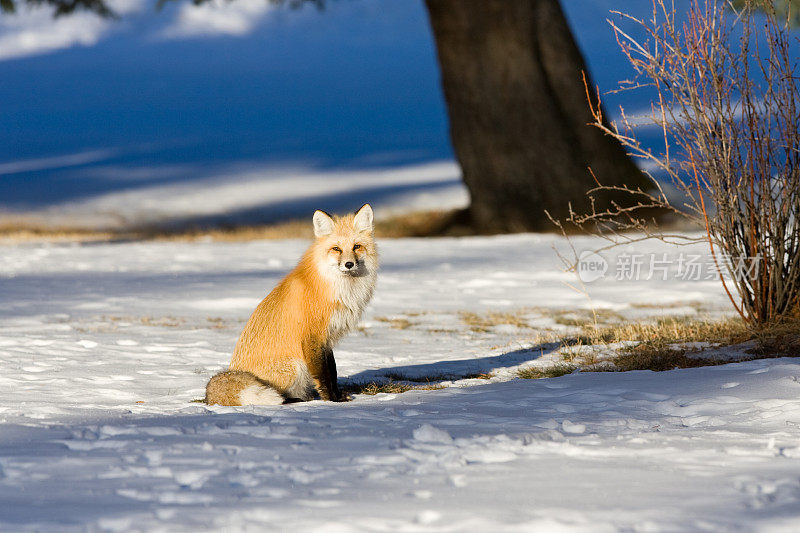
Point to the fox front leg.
(321, 373)
(334, 382)
(325, 377)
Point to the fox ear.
(363, 219)
(323, 224)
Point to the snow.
(104, 346)
(258, 194)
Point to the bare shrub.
(726, 102)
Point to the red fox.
(285, 352)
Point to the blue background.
(354, 85)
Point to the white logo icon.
(591, 266)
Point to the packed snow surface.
(103, 347)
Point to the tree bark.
(512, 79)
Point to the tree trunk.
(511, 73)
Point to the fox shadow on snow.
(452, 370)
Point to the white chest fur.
(352, 294)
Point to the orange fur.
(290, 335)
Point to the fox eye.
(336, 249)
(356, 247)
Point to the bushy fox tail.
(236, 387)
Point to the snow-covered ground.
(104, 346)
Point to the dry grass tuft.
(395, 323)
(521, 318)
(161, 322)
(666, 343)
(108, 323)
(779, 340)
(666, 331)
(15, 232)
(391, 387)
(482, 323)
(217, 323)
(581, 317)
(694, 304)
(480, 375)
(660, 345)
(553, 371)
(659, 360)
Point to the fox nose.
(349, 264)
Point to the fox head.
(345, 245)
